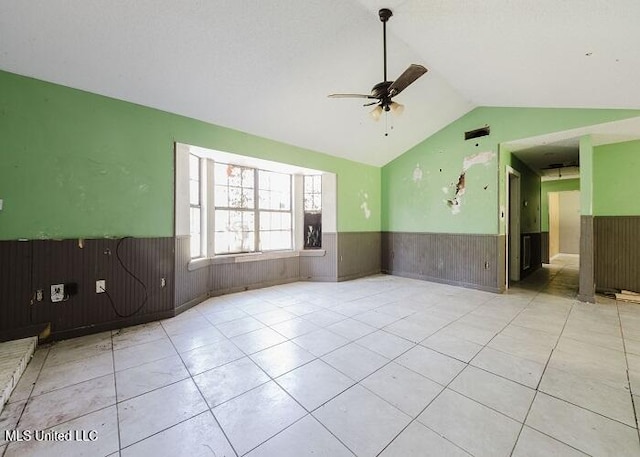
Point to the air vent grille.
(477, 133)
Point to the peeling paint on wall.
(477, 159)
(455, 202)
(483, 158)
(417, 173)
(364, 206)
(366, 210)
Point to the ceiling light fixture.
(382, 93)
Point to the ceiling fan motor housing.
(381, 90)
(385, 14)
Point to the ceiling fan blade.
(405, 79)
(352, 96)
(372, 103)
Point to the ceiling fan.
(384, 91)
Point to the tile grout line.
(445, 387)
(115, 388)
(271, 379)
(249, 356)
(536, 390)
(201, 395)
(468, 364)
(310, 413)
(626, 359)
(26, 403)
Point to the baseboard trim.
(191, 303)
(261, 285)
(358, 275)
(496, 290)
(320, 279)
(111, 325)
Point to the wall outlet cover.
(101, 286)
(57, 293)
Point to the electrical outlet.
(57, 292)
(39, 294)
(101, 286)
(163, 282)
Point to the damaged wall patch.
(477, 159)
(454, 203)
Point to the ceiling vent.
(477, 133)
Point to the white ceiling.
(544, 153)
(265, 67)
(564, 153)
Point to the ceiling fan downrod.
(384, 14)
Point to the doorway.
(513, 226)
(564, 223)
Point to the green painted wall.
(560, 185)
(529, 196)
(616, 179)
(420, 205)
(75, 164)
(586, 176)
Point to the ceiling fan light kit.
(383, 92)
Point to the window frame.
(208, 156)
(199, 206)
(311, 212)
(256, 210)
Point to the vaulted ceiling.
(266, 67)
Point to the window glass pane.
(194, 167)
(234, 231)
(248, 198)
(286, 221)
(194, 192)
(312, 193)
(194, 180)
(247, 177)
(275, 230)
(274, 190)
(195, 246)
(235, 197)
(195, 232)
(233, 186)
(220, 173)
(221, 194)
(277, 239)
(265, 220)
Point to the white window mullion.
(256, 209)
(210, 208)
(298, 212)
(195, 205)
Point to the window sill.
(312, 253)
(196, 264)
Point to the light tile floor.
(378, 366)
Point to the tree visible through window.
(252, 209)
